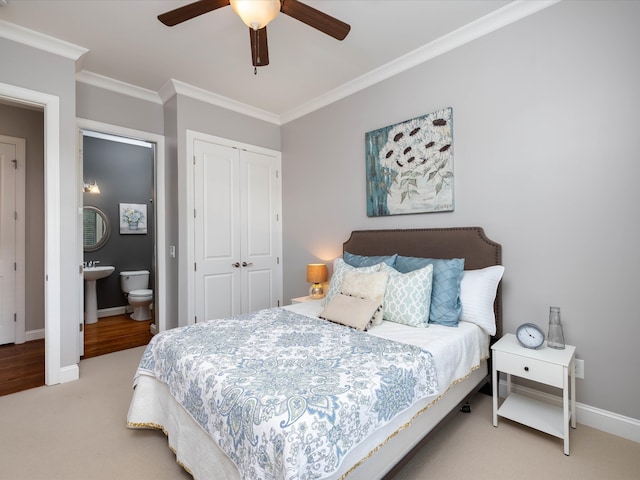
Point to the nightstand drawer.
(531, 369)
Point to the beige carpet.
(76, 431)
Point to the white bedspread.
(457, 350)
(288, 396)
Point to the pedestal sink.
(91, 274)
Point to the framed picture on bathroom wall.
(133, 219)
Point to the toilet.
(134, 286)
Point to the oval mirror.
(95, 228)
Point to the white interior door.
(217, 231)
(12, 228)
(237, 233)
(260, 191)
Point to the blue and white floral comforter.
(284, 395)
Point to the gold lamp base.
(316, 291)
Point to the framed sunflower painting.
(410, 166)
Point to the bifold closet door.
(237, 231)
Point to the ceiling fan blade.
(182, 14)
(315, 18)
(259, 48)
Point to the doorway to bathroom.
(119, 182)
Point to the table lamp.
(316, 275)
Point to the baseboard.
(613, 423)
(105, 312)
(34, 335)
(69, 374)
(111, 312)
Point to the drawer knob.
(526, 369)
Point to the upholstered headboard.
(469, 243)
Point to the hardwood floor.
(112, 334)
(22, 366)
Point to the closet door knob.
(236, 265)
(245, 264)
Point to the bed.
(375, 447)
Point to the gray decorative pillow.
(352, 312)
(371, 286)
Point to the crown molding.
(41, 41)
(117, 86)
(483, 26)
(173, 87)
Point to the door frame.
(20, 280)
(160, 294)
(186, 223)
(50, 104)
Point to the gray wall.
(105, 106)
(205, 118)
(48, 73)
(545, 143)
(545, 120)
(125, 174)
(29, 124)
(171, 207)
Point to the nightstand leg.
(565, 409)
(572, 373)
(494, 381)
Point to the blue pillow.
(368, 261)
(445, 295)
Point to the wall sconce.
(316, 275)
(91, 187)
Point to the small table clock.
(530, 335)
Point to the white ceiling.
(126, 42)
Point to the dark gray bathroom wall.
(125, 174)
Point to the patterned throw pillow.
(445, 297)
(408, 296)
(339, 269)
(370, 286)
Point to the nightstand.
(301, 299)
(544, 365)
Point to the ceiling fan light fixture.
(256, 14)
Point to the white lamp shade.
(256, 13)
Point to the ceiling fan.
(257, 14)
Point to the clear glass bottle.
(555, 338)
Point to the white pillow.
(370, 286)
(339, 269)
(408, 296)
(477, 293)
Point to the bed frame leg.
(466, 408)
